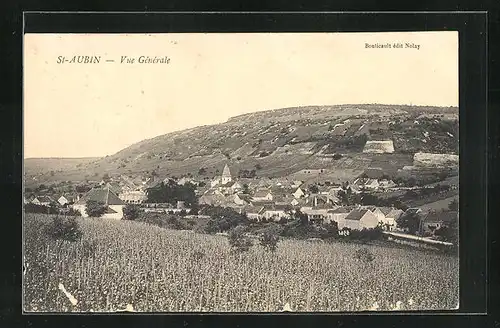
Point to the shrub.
(131, 212)
(329, 230)
(238, 240)
(34, 208)
(72, 212)
(337, 156)
(65, 228)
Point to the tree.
(258, 166)
(65, 228)
(409, 221)
(453, 205)
(131, 212)
(202, 171)
(313, 189)
(302, 217)
(269, 240)
(238, 240)
(95, 209)
(171, 192)
(246, 189)
(105, 177)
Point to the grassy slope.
(244, 138)
(119, 263)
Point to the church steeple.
(226, 175)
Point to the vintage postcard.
(241, 172)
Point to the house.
(214, 182)
(296, 184)
(264, 182)
(386, 216)
(133, 196)
(254, 212)
(299, 193)
(236, 187)
(378, 213)
(66, 200)
(261, 203)
(262, 195)
(214, 199)
(114, 205)
(241, 199)
(338, 215)
(117, 189)
(359, 219)
(316, 214)
(390, 221)
(43, 200)
(182, 181)
(277, 212)
(438, 219)
(319, 199)
(237, 208)
(286, 199)
(226, 188)
(371, 184)
(385, 183)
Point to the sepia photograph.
(240, 172)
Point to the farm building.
(43, 200)
(360, 219)
(105, 196)
(379, 147)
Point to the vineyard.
(121, 264)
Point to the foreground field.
(120, 263)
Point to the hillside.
(279, 143)
(36, 166)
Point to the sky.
(92, 110)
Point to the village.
(261, 200)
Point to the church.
(225, 183)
